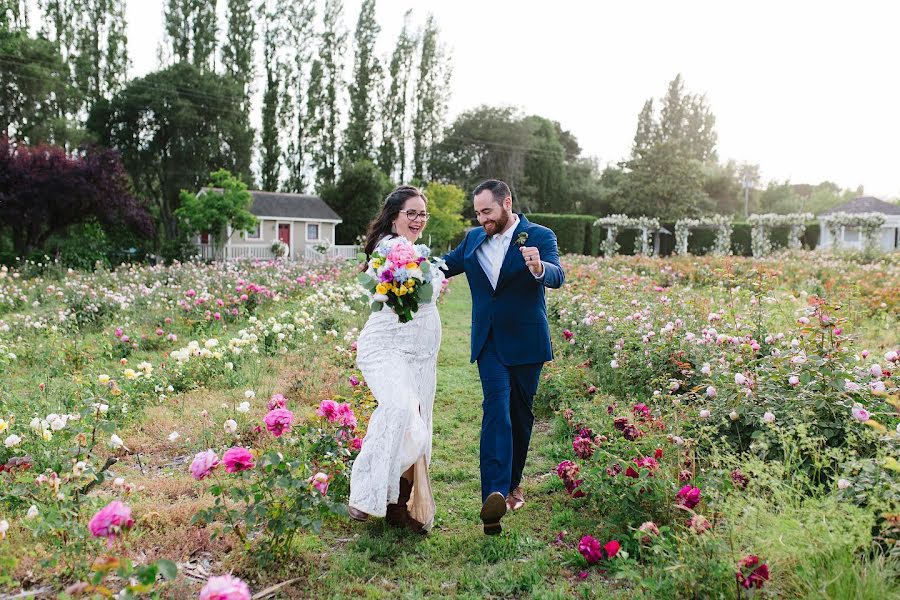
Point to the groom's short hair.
(498, 189)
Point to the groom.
(508, 262)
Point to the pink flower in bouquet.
(401, 254)
(590, 549)
(278, 421)
(320, 482)
(751, 572)
(346, 416)
(276, 401)
(111, 521)
(328, 409)
(611, 548)
(225, 587)
(203, 464)
(237, 459)
(688, 496)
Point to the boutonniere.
(522, 238)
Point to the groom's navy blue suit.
(511, 342)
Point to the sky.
(810, 91)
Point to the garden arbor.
(869, 225)
(613, 223)
(722, 225)
(761, 226)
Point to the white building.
(851, 237)
(300, 221)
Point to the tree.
(325, 86)
(545, 168)
(237, 53)
(780, 197)
(358, 140)
(431, 104)
(32, 78)
(356, 196)
(172, 128)
(587, 186)
(13, 15)
(192, 30)
(662, 183)
(445, 205)
(395, 106)
(224, 204)
(43, 191)
(723, 186)
(484, 143)
(297, 92)
(270, 147)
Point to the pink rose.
(611, 548)
(346, 416)
(276, 401)
(354, 380)
(688, 496)
(751, 573)
(278, 421)
(320, 482)
(111, 521)
(203, 464)
(590, 549)
(225, 587)
(328, 409)
(583, 447)
(356, 444)
(237, 459)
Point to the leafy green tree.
(298, 24)
(32, 77)
(723, 186)
(395, 105)
(779, 197)
(192, 30)
(224, 204)
(171, 136)
(663, 183)
(431, 99)
(326, 83)
(446, 223)
(14, 15)
(545, 168)
(827, 195)
(585, 185)
(356, 196)
(358, 140)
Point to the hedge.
(576, 234)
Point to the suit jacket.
(517, 310)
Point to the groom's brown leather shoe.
(516, 499)
(493, 509)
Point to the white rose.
(733, 415)
(12, 441)
(230, 426)
(243, 407)
(769, 417)
(115, 442)
(4, 527)
(174, 436)
(705, 414)
(843, 484)
(249, 394)
(32, 512)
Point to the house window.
(255, 234)
(204, 237)
(851, 235)
(312, 231)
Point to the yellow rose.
(411, 265)
(410, 283)
(103, 379)
(401, 291)
(129, 374)
(381, 288)
(47, 435)
(3, 425)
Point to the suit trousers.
(507, 421)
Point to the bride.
(399, 363)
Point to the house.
(850, 237)
(304, 223)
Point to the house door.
(284, 233)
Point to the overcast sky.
(808, 90)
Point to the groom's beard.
(495, 227)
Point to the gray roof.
(864, 204)
(290, 206)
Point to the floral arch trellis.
(721, 223)
(761, 226)
(868, 224)
(613, 223)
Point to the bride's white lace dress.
(399, 364)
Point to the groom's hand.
(532, 260)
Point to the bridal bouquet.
(399, 274)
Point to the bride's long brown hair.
(381, 225)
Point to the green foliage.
(225, 204)
(574, 233)
(432, 84)
(395, 105)
(546, 168)
(358, 141)
(357, 197)
(445, 205)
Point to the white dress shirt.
(492, 252)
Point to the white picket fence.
(264, 252)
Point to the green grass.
(456, 560)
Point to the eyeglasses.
(412, 215)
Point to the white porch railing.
(264, 252)
(333, 252)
